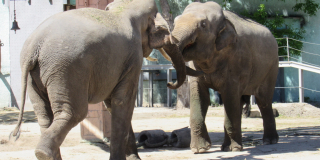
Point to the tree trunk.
(166, 13)
(183, 98)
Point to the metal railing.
(300, 65)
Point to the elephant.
(87, 56)
(239, 58)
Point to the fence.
(300, 65)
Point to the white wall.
(5, 56)
(29, 16)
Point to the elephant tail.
(16, 131)
(28, 62)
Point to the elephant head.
(155, 34)
(202, 32)
(160, 38)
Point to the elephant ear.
(159, 33)
(227, 35)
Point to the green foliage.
(224, 4)
(309, 7)
(278, 26)
(279, 29)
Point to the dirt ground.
(298, 127)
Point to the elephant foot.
(199, 150)
(271, 139)
(42, 155)
(200, 145)
(133, 157)
(233, 147)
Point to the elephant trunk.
(173, 51)
(184, 35)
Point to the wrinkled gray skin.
(239, 58)
(88, 56)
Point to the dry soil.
(298, 126)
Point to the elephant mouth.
(188, 47)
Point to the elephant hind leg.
(69, 107)
(270, 135)
(247, 109)
(65, 118)
(41, 104)
(264, 101)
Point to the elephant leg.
(69, 108)
(122, 104)
(232, 122)
(264, 101)
(245, 99)
(131, 150)
(41, 105)
(199, 103)
(227, 141)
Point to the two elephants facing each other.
(87, 56)
(239, 58)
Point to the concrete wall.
(29, 16)
(5, 88)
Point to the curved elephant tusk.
(151, 59)
(164, 54)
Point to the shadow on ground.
(291, 140)
(12, 117)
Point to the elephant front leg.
(199, 102)
(131, 147)
(232, 121)
(132, 151)
(122, 137)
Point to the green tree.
(278, 26)
(279, 29)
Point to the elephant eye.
(203, 24)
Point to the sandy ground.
(298, 126)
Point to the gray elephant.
(87, 56)
(239, 57)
